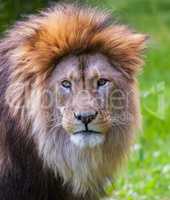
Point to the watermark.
(157, 92)
(119, 104)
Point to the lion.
(69, 103)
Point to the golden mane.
(68, 29)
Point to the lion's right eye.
(101, 82)
(66, 84)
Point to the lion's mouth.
(86, 132)
(87, 138)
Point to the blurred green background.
(147, 176)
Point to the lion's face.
(87, 96)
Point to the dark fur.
(22, 175)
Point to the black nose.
(85, 117)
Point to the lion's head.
(72, 85)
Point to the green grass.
(148, 172)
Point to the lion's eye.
(102, 82)
(66, 84)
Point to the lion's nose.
(85, 117)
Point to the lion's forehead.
(84, 67)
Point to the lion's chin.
(87, 140)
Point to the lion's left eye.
(66, 84)
(102, 82)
